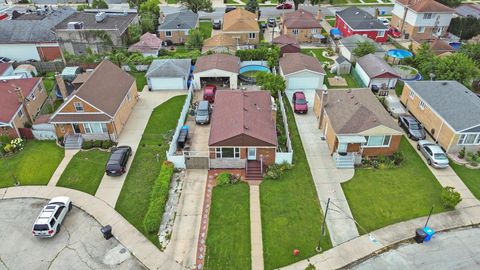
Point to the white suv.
(52, 215)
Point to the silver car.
(433, 153)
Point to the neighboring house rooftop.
(465, 10)
(358, 19)
(375, 67)
(219, 40)
(439, 47)
(242, 119)
(104, 94)
(113, 21)
(30, 28)
(455, 103)
(184, 19)
(217, 61)
(9, 103)
(295, 62)
(284, 40)
(420, 6)
(169, 68)
(356, 111)
(149, 43)
(4, 67)
(340, 59)
(350, 43)
(240, 20)
(300, 19)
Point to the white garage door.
(167, 83)
(302, 83)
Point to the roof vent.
(245, 127)
(356, 12)
(245, 109)
(100, 16)
(75, 25)
(444, 83)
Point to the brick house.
(353, 20)
(355, 125)
(301, 25)
(243, 133)
(175, 26)
(99, 108)
(20, 103)
(242, 26)
(447, 110)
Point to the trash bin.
(429, 233)
(420, 236)
(107, 232)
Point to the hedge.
(158, 198)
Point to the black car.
(217, 24)
(117, 163)
(413, 128)
(272, 22)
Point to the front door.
(76, 128)
(252, 153)
(342, 147)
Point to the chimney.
(323, 103)
(61, 85)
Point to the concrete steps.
(254, 171)
(73, 142)
(345, 162)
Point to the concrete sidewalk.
(256, 228)
(129, 236)
(110, 187)
(62, 166)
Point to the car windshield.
(202, 113)
(414, 126)
(301, 101)
(40, 227)
(440, 156)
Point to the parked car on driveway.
(413, 128)
(117, 163)
(217, 24)
(209, 93)
(272, 22)
(433, 153)
(384, 21)
(394, 32)
(49, 221)
(202, 115)
(284, 6)
(394, 106)
(300, 104)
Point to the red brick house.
(353, 20)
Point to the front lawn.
(85, 171)
(380, 197)
(470, 177)
(291, 213)
(134, 197)
(206, 28)
(140, 79)
(228, 238)
(34, 165)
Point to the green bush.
(106, 144)
(450, 198)
(398, 158)
(97, 143)
(158, 198)
(223, 178)
(87, 145)
(274, 171)
(461, 154)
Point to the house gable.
(241, 140)
(380, 130)
(305, 72)
(69, 106)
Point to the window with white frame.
(377, 141)
(78, 106)
(129, 96)
(421, 29)
(469, 139)
(314, 31)
(295, 31)
(20, 113)
(411, 94)
(381, 33)
(251, 35)
(95, 128)
(427, 16)
(421, 105)
(227, 152)
(33, 97)
(168, 33)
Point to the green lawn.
(399, 88)
(85, 171)
(172, 1)
(34, 165)
(317, 53)
(48, 82)
(206, 28)
(140, 79)
(134, 197)
(379, 198)
(331, 22)
(228, 238)
(371, 1)
(291, 213)
(470, 177)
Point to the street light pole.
(319, 248)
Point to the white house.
(168, 74)
(302, 73)
(373, 70)
(220, 69)
(421, 19)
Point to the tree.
(149, 12)
(272, 82)
(424, 59)
(101, 4)
(147, 22)
(296, 3)
(457, 67)
(364, 48)
(196, 5)
(119, 58)
(252, 6)
(450, 3)
(194, 39)
(133, 34)
(450, 198)
(471, 50)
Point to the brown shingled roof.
(425, 6)
(240, 20)
(283, 40)
(300, 19)
(242, 119)
(440, 47)
(294, 62)
(220, 61)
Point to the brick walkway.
(202, 237)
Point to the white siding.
(178, 83)
(215, 73)
(19, 52)
(363, 75)
(390, 82)
(416, 19)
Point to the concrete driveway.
(79, 245)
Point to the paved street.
(449, 250)
(79, 245)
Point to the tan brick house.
(355, 125)
(301, 25)
(242, 26)
(20, 103)
(175, 26)
(243, 133)
(447, 110)
(100, 107)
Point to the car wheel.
(58, 228)
(429, 162)
(69, 207)
(418, 146)
(399, 124)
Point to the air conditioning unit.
(75, 25)
(100, 16)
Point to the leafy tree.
(196, 5)
(457, 67)
(134, 33)
(147, 22)
(471, 50)
(317, 2)
(296, 3)
(424, 59)
(82, 7)
(363, 48)
(119, 57)
(101, 4)
(450, 3)
(465, 27)
(450, 198)
(252, 6)
(194, 39)
(272, 82)
(150, 6)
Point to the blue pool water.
(254, 68)
(455, 45)
(400, 54)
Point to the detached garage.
(168, 74)
(302, 73)
(218, 69)
(374, 71)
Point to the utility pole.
(431, 210)
(319, 247)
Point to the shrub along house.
(243, 133)
(99, 108)
(355, 125)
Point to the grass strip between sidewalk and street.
(471, 177)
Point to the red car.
(394, 32)
(284, 6)
(209, 93)
(300, 102)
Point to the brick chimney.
(323, 103)
(61, 85)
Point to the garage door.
(301, 83)
(167, 83)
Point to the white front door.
(252, 153)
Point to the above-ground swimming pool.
(455, 45)
(253, 68)
(249, 70)
(399, 54)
